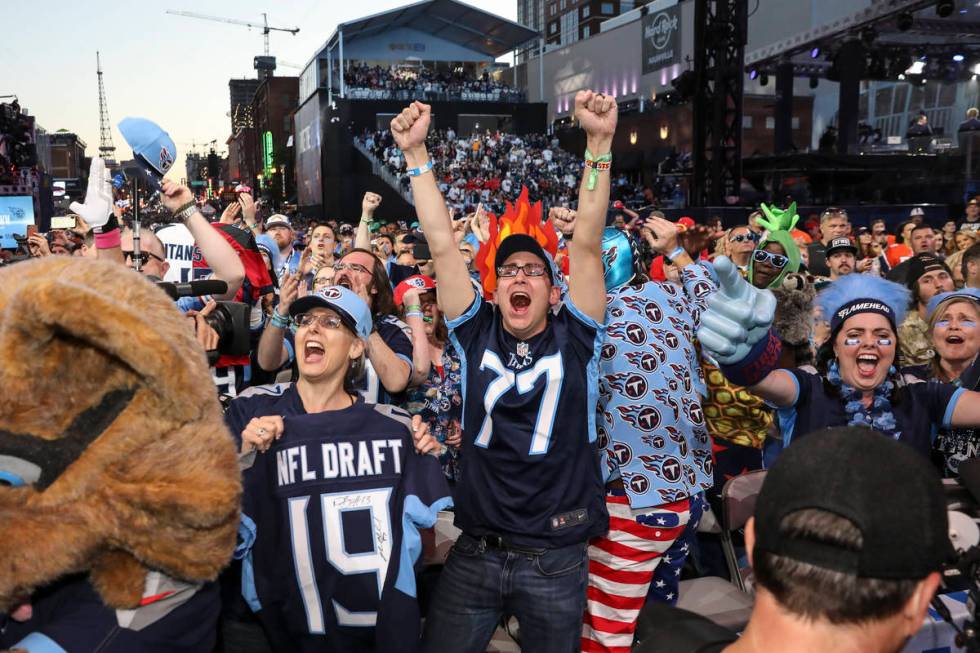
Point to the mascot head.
(113, 450)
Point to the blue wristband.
(279, 321)
(422, 169)
(677, 252)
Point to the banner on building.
(661, 39)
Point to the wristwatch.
(186, 211)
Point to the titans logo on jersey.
(330, 519)
(649, 391)
(530, 467)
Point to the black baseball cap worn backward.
(885, 488)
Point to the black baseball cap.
(841, 245)
(523, 243)
(921, 264)
(889, 491)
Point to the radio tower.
(106, 149)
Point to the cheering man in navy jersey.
(531, 493)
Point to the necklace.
(878, 415)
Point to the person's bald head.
(154, 262)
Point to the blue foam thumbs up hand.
(737, 317)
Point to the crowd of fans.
(721, 407)
(402, 82)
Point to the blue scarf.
(879, 415)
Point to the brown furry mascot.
(113, 443)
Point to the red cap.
(418, 282)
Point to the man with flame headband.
(531, 494)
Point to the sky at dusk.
(170, 69)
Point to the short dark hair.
(901, 227)
(970, 255)
(920, 227)
(333, 231)
(814, 592)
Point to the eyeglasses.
(529, 269)
(355, 267)
(144, 257)
(775, 260)
(326, 321)
(322, 281)
(744, 238)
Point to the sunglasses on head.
(745, 238)
(777, 261)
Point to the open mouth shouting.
(867, 365)
(313, 352)
(520, 302)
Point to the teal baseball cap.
(152, 146)
(353, 310)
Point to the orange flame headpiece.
(519, 218)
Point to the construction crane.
(107, 149)
(232, 21)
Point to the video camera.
(230, 320)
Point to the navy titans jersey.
(330, 520)
(530, 464)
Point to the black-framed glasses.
(354, 267)
(745, 238)
(529, 269)
(777, 261)
(326, 321)
(144, 257)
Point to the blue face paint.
(942, 323)
(968, 324)
(852, 342)
(884, 342)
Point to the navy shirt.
(530, 466)
(330, 520)
(70, 617)
(925, 408)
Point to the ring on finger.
(261, 431)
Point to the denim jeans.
(544, 590)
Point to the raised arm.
(369, 204)
(221, 257)
(455, 291)
(597, 114)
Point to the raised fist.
(597, 113)
(370, 203)
(563, 219)
(411, 126)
